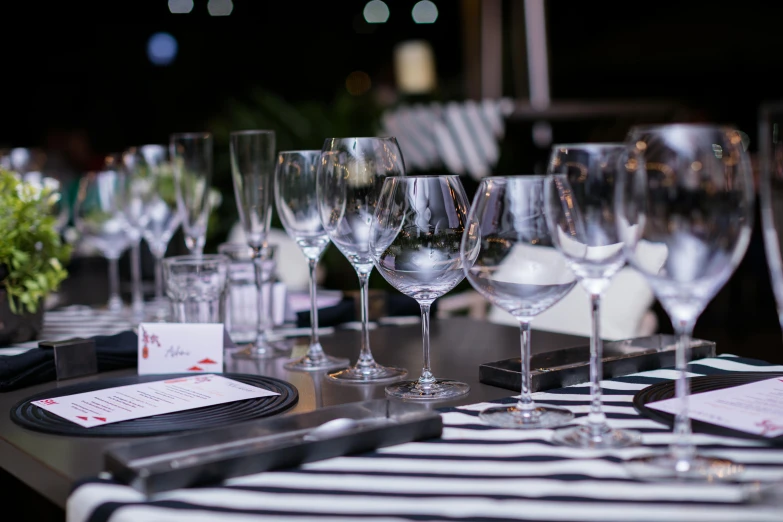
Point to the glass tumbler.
(196, 285)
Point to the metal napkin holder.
(569, 366)
(211, 456)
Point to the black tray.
(560, 368)
(34, 418)
(665, 390)
(210, 456)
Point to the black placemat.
(34, 418)
(665, 390)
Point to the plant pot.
(18, 328)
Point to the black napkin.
(36, 366)
(342, 312)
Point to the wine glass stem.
(365, 355)
(158, 277)
(115, 301)
(315, 347)
(525, 403)
(682, 448)
(261, 280)
(427, 379)
(596, 419)
(138, 297)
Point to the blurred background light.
(180, 6)
(220, 7)
(161, 48)
(414, 67)
(358, 83)
(376, 12)
(425, 12)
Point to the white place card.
(753, 408)
(135, 401)
(180, 348)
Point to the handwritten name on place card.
(753, 408)
(180, 348)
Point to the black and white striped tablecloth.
(474, 472)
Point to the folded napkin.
(36, 366)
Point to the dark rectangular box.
(570, 366)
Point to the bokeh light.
(358, 83)
(425, 12)
(376, 12)
(220, 7)
(162, 48)
(180, 6)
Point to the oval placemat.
(34, 418)
(665, 390)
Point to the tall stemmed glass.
(99, 216)
(139, 189)
(509, 258)
(295, 198)
(687, 194)
(191, 157)
(771, 195)
(350, 176)
(155, 195)
(414, 241)
(253, 174)
(579, 206)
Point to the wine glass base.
(371, 374)
(608, 438)
(440, 389)
(314, 364)
(255, 352)
(540, 416)
(664, 466)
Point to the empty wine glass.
(414, 241)
(771, 195)
(579, 206)
(295, 198)
(99, 216)
(685, 196)
(153, 192)
(139, 191)
(191, 157)
(510, 259)
(350, 176)
(253, 174)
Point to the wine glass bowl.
(415, 243)
(510, 259)
(295, 199)
(191, 157)
(350, 176)
(685, 210)
(579, 206)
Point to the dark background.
(76, 78)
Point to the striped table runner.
(475, 472)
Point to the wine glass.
(414, 241)
(139, 191)
(99, 216)
(253, 174)
(349, 180)
(510, 259)
(155, 202)
(579, 207)
(191, 157)
(771, 195)
(295, 198)
(686, 196)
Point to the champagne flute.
(191, 157)
(252, 172)
(349, 180)
(414, 240)
(579, 206)
(295, 198)
(686, 195)
(509, 258)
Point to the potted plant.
(32, 254)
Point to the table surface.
(50, 464)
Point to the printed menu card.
(135, 401)
(755, 408)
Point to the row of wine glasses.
(674, 201)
